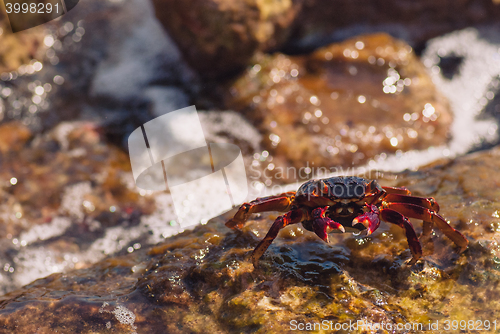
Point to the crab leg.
(369, 219)
(397, 190)
(291, 217)
(321, 224)
(280, 203)
(429, 216)
(427, 202)
(394, 217)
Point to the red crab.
(348, 203)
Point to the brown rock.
(13, 136)
(19, 48)
(59, 193)
(344, 104)
(220, 36)
(202, 281)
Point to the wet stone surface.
(61, 195)
(344, 104)
(18, 49)
(68, 197)
(202, 280)
(107, 61)
(219, 37)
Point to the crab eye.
(339, 190)
(373, 186)
(351, 210)
(359, 190)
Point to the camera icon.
(204, 179)
(25, 14)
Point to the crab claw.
(369, 219)
(323, 225)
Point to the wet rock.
(19, 48)
(464, 67)
(68, 198)
(321, 21)
(203, 281)
(343, 104)
(110, 62)
(219, 37)
(13, 136)
(63, 196)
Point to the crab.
(352, 204)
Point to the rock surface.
(20, 48)
(321, 21)
(344, 104)
(64, 198)
(202, 280)
(68, 198)
(219, 37)
(107, 61)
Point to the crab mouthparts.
(339, 229)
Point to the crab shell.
(345, 196)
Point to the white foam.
(122, 314)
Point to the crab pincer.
(370, 219)
(322, 225)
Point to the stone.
(107, 61)
(68, 197)
(203, 280)
(219, 37)
(343, 105)
(13, 136)
(64, 198)
(18, 49)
